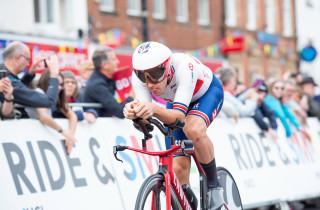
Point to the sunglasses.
(154, 75)
(28, 59)
(278, 88)
(70, 82)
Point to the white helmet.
(151, 61)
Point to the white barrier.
(36, 173)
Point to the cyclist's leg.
(199, 117)
(195, 129)
(181, 167)
(181, 163)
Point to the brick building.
(180, 24)
(267, 29)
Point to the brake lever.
(183, 146)
(118, 148)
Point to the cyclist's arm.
(140, 89)
(146, 110)
(168, 116)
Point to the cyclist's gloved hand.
(148, 126)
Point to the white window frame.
(182, 5)
(159, 9)
(136, 9)
(270, 16)
(231, 13)
(107, 5)
(287, 18)
(43, 13)
(251, 15)
(203, 12)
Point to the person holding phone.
(6, 109)
(16, 59)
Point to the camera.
(45, 63)
(3, 73)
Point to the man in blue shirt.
(101, 87)
(16, 59)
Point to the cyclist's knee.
(195, 132)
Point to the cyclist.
(193, 94)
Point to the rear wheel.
(230, 190)
(152, 195)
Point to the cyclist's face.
(157, 88)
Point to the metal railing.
(87, 105)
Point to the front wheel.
(152, 195)
(231, 193)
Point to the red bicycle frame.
(165, 161)
(165, 166)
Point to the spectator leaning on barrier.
(274, 102)
(101, 86)
(6, 109)
(72, 94)
(292, 97)
(264, 111)
(308, 88)
(71, 87)
(16, 59)
(240, 88)
(227, 77)
(44, 114)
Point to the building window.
(36, 11)
(159, 9)
(251, 15)
(182, 11)
(66, 14)
(203, 12)
(134, 7)
(107, 5)
(43, 11)
(287, 18)
(270, 14)
(231, 12)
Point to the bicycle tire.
(156, 184)
(230, 190)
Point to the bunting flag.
(71, 49)
(267, 49)
(112, 38)
(135, 42)
(62, 49)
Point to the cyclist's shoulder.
(180, 57)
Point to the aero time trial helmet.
(151, 61)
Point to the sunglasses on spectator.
(70, 82)
(278, 88)
(28, 59)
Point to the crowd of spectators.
(55, 91)
(291, 99)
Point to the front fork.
(168, 190)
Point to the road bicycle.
(162, 190)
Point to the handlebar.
(166, 129)
(178, 124)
